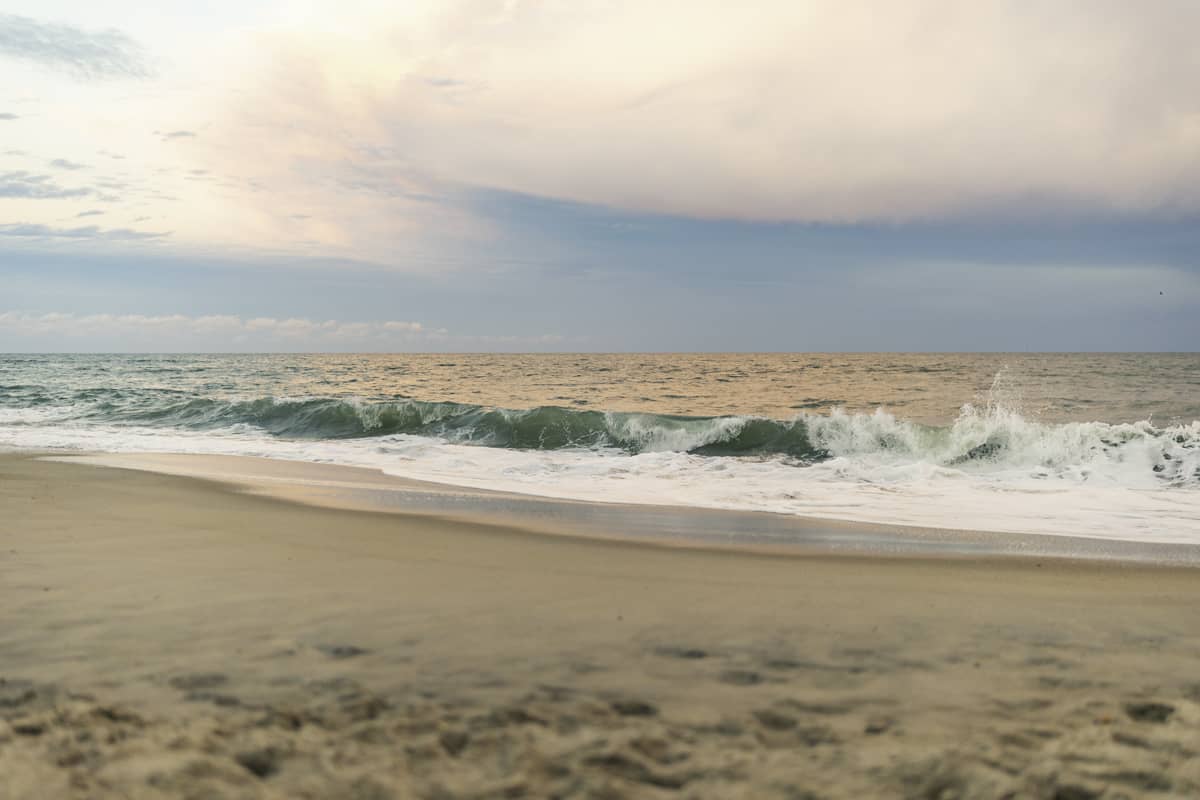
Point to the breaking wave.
(990, 438)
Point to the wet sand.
(163, 636)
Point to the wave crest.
(992, 438)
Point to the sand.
(164, 636)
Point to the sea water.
(1097, 445)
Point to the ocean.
(1094, 445)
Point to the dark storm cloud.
(672, 245)
(82, 53)
(30, 186)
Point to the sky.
(599, 175)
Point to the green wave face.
(983, 439)
(543, 428)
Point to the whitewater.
(993, 466)
(992, 470)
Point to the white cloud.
(221, 332)
(179, 325)
(771, 110)
(85, 54)
(350, 130)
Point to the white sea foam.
(993, 470)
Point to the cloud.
(25, 185)
(63, 163)
(817, 111)
(32, 231)
(95, 212)
(7, 116)
(166, 136)
(444, 83)
(224, 332)
(84, 54)
(228, 326)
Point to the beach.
(167, 636)
(484, 399)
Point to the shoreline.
(367, 489)
(166, 637)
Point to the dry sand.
(167, 637)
